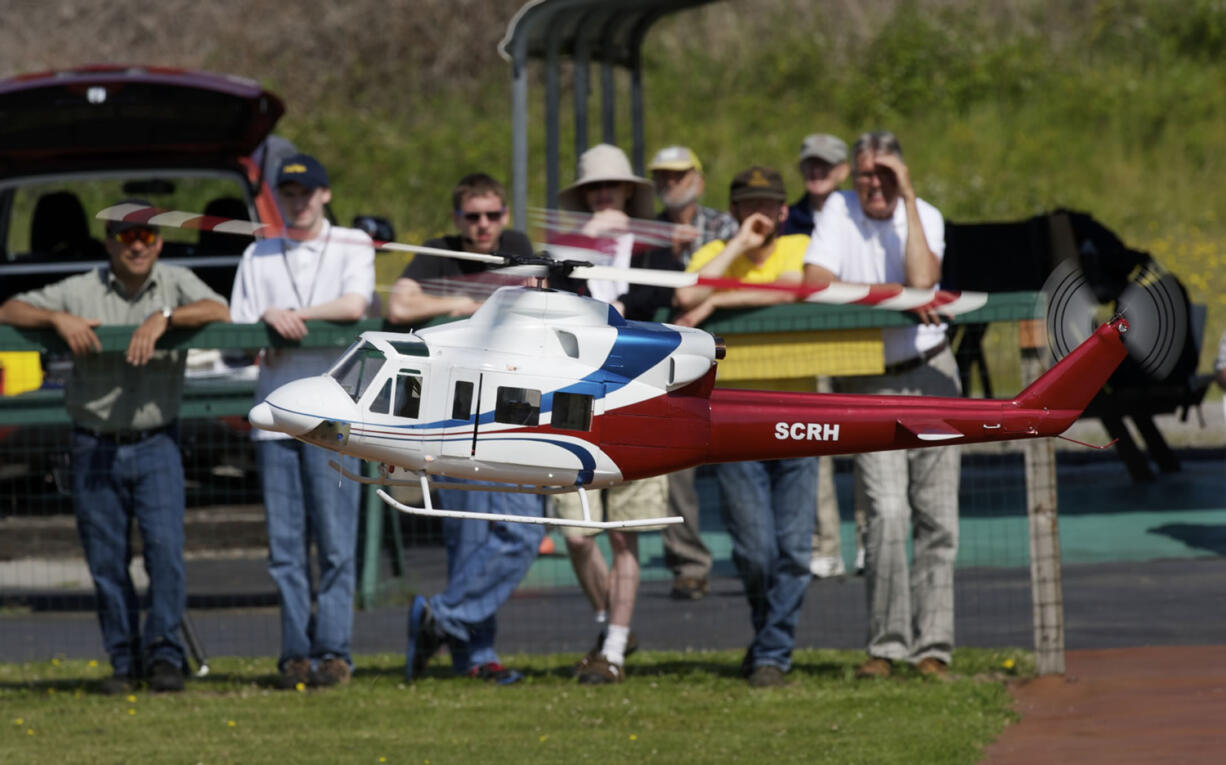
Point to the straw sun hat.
(605, 162)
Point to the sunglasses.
(146, 236)
(475, 217)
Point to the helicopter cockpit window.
(358, 368)
(571, 411)
(518, 406)
(383, 402)
(408, 393)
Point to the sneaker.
(826, 566)
(330, 672)
(931, 666)
(689, 588)
(859, 561)
(118, 683)
(767, 676)
(297, 671)
(424, 641)
(600, 671)
(495, 673)
(165, 676)
(875, 667)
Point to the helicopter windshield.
(357, 368)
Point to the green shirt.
(105, 393)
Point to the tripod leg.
(193, 645)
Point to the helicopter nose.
(299, 407)
(261, 416)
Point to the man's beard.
(679, 198)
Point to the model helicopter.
(545, 391)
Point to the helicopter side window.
(408, 393)
(518, 406)
(462, 403)
(571, 411)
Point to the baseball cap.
(825, 147)
(675, 158)
(303, 169)
(757, 182)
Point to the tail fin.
(1073, 382)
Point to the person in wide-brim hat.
(607, 164)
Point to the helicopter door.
(463, 404)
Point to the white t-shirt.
(283, 273)
(864, 250)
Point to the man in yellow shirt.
(756, 253)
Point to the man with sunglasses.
(433, 286)
(485, 560)
(882, 232)
(126, 464)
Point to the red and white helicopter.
(546, 391)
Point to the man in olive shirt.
(125, 453)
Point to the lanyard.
(314, 278)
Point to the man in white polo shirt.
(315, 271)
(881, 232)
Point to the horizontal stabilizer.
(931, 430)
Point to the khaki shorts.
(646, 498)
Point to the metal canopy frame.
(607, 32)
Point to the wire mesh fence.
(47, 601)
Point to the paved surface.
(1123, 705)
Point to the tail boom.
(756, 425)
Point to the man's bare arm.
(408, 304)
(77, 332)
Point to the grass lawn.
(674, 707)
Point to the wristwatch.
(167, 312)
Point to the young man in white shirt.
(315, 271)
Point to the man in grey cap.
(823, 165)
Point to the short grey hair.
(877, 142)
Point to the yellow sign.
(790, 360)
(21, 372)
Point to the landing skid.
(430, 510)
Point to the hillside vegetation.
(1005, 108)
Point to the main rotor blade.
(154, 216)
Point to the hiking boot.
(931, 666)
(875, 667)
(297, 671)
(632, 645)
(767, 676)
(424, 640)
(600, 671)
(331, 672)
(495, 673)
(118, 683)
(165, 676)
(689, 588)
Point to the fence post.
(1046, 589)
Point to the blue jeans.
(306, 500)
(768, 509)
(485, 562)
(112, 486)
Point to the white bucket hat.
(604, 162)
